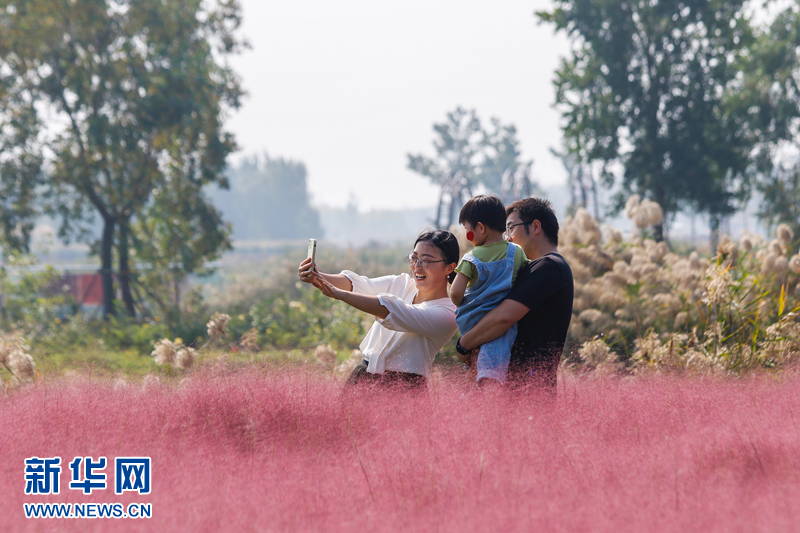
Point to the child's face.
(476, 232)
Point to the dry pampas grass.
(347, 366)
(325, 354)
(15, 357)
(655, 309)
(217, 326)
(249, 341)
(174, 354)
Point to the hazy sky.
(351, 87)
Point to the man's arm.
(495, 323)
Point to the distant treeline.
(268, 200)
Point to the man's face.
(515, 230)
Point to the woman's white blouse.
(408, 339)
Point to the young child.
(485, 276)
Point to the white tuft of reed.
(325, 354)
(794, 264)
(718, 290)
(164, 352)
(184, 357)
(775, 248)
(249, 341)
(217, 326)
(785, 234)
(643, 213)
(345, 367)
(746, 243)
(597, 355)
(150, 381)
(15, 357)
(174, 354)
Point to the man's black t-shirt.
(544, 286)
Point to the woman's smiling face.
(436, 274)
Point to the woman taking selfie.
(414, 317)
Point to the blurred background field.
(639, 308)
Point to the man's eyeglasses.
(422, 263)
(509, 226)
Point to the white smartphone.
(312, 252)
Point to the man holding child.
(485, 276)
(539, 303)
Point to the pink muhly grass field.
(287, 451)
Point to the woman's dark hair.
(447, 243)
(484, 208)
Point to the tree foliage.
(464, 146)
(139, 92)
(468, 155)
(20, 163)
(768, 95)
(645, 88)
(178, 232)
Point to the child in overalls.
(485, 276)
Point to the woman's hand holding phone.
(331, 285)
(306, 270)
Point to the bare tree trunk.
(453, 206)
(106, 271)
(714, 224)
(573, 197)
(660, 197)
(582, 185)
(439, 206)
(665, 230)
(658, 232)
(177, 284)
(125, 269)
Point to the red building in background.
(87, 289)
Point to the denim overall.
(493, 284)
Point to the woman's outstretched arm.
(339, 281)
(362, 302)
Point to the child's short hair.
(487, 209)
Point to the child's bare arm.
(458, 288)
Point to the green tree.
(468, 155)
(644, 88)
(768, 96)
(458, 146)
(177, 233)
(20, 167)
(141, 91)
(501, 154)
(781, 197)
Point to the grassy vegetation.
(281, 448)
(639, 306)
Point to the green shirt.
(486, 254)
